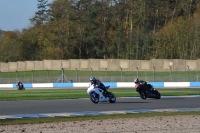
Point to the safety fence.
(78, 76)
(111, 84)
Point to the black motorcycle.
(148, 92)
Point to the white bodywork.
(98, 91)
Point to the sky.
(15, 14)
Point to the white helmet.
(136, 80)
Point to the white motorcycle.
(96, 95)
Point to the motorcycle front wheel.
(94, 98)
(112, 97)
(143, 94)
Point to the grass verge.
(49, 94)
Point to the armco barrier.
(111, 84)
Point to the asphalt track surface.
(85, 105)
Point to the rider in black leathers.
(143, 85)
(98, 83)
(20, 84)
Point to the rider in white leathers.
(99, 84)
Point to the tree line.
(123, 29)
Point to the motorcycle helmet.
(92, 79)
(136, 80)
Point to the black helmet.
(136, 80)
(92, 79)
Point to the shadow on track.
(121, 102)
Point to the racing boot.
(105, 93)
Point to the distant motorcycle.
(96, 95)
(150, 92)
(20, 87)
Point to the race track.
(34, 108)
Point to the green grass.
(48, 94)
